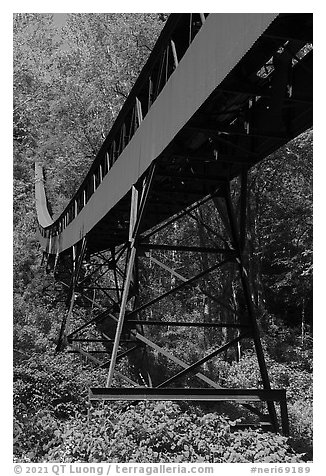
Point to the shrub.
(257, 447)
(301, 424)
(297, 381)
(161, 432)
(55, 382)
(51, 422)
(34, 435)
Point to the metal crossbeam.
(168, 355)
(200, 362)
(99, 364)
(203, 291)
(188, 282)
(195, 394)
(188, 324)
(187, 394)
(182, 248)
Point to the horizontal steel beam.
(196, 249)
(187, 394)
(192, 177)
(217, 132)
(86, 340)
(186, 324)
(89, 351)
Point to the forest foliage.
(70, 82)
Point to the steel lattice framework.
(218, 94)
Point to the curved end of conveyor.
(44, 218)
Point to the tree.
(280, 227)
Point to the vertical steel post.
(114, 269)
(77, 258)
(243, 208)
(136, 214)
(121, 315)
(284, 417)
(235, 235)
(125, 293)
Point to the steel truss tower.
(115, 324)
